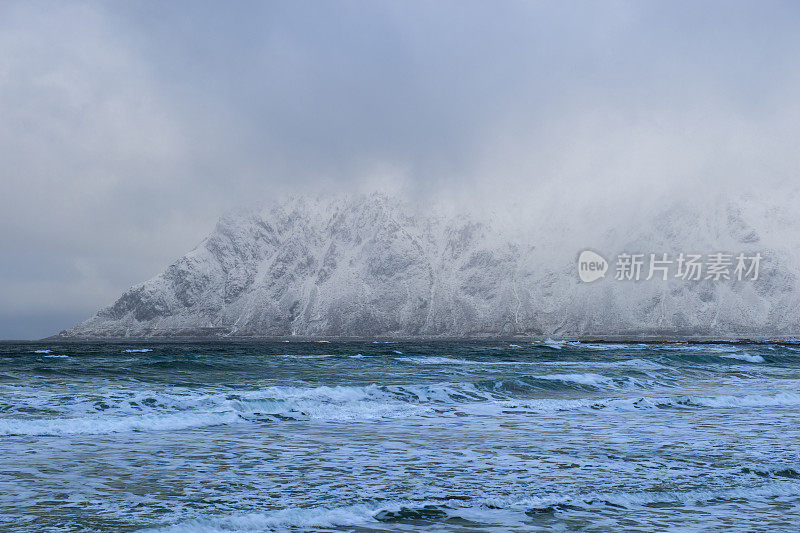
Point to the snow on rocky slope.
(367, 266)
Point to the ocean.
(398, 436)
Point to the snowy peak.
(370, 266)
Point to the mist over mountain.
(376, 266)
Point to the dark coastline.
(610, 339)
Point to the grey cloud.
(128, 128)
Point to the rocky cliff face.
(365, 266)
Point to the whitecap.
(782, 399)
(595, 380)
(282, 519)
(744, 357)
(99, 425)
(550, 343)
(610, 346)
(690, 497)
(437, 360)
(308, 356)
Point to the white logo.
(591, 266)
(718, 266)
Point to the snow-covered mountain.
(368, 266)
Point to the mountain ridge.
(369, 266)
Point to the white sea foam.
(744, 357)
(604, 346)
(354, 515)
(491, 510)
(550, 343)
(782, 399)
(308, 356)
(178, 410)
(137, 350)
(98, 425)
(690, 497)
(595, 380)
(705, 348)
(438, 360)
(441, 360)
(42, 351)
(587, 379)
(639, 364)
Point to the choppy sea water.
(398, 436)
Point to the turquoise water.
(371, 436)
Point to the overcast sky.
(128, 128)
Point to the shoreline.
(593, 339)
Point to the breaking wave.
(744, 357)
(165, 411)
(471, 512)
(104, 425)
